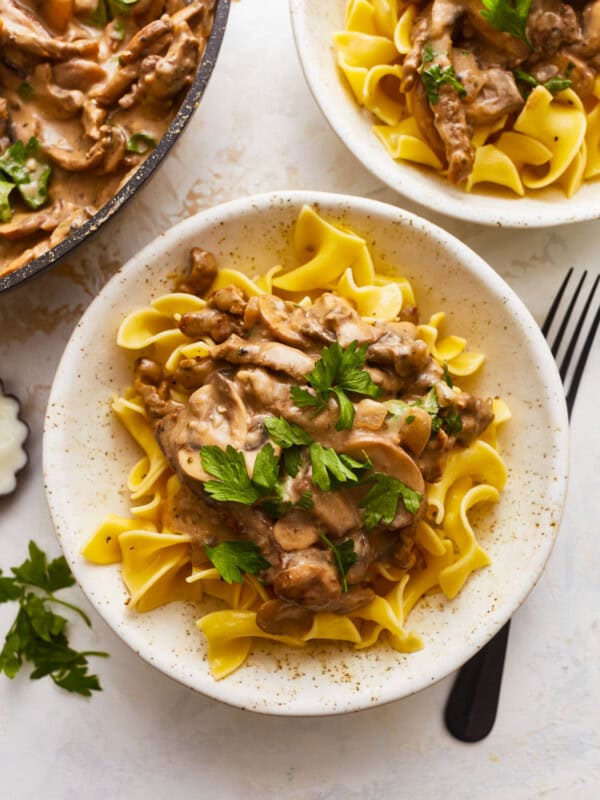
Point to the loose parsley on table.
(231, 559)
(434, 77)
(337, 372)
(508, 17)
(38, 635)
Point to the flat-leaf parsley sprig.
(509, 17)
(337, 372)
(38, 635)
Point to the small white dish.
(314, 23)
(87, 455)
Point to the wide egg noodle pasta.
(160, 564)
(551, 150)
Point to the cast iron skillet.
(187, 108)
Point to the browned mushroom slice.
(339, 317)
(219, 325)
(271, 355)
(284, 619)
(107, 94)
(105, 155)
(21, 29)
(141, 42)
(23, 225)
(229, 299)
(201, 273)
(175, 70)
(58, 102)
(309, 578)
(78, 73)
(296, 530)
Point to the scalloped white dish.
(87, 455)
(314, 24)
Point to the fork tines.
(574, 320)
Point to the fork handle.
(473, 701)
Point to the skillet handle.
(473, 700)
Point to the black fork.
(471, 708)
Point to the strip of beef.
(200, 274)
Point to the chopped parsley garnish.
(329, 470)
(434, 77)
(38, 635)
(231, 559)
(553, 85)
(344, 556)
(508, 17)
(286, 434)
(5, 210)
(447, 377)
(141, 143)
(109, 9)
(25, 91)
(266, 469)
(337, 371)
(306, 501)
(118, 30)
(447, 418)
(428, 54)
(23, 165)
(229, 467)
(381, 501)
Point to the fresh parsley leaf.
(38, 635)
(35, 571)
(231, 559)
(230, 468)
(452, 422)
(292, 458)
(305, 399)
(434, 77)
(381, 501)
(344, 556)
(306, 501)
(428, 54)
(329, 469)
(508, 17)
(286, 434)
(553, 85)
(141, 143)
(266, 469)
(447, 377)
(107, 10)
(23, 165)
(5, 210)
(25, 91)
(337, 371)
(410, 419)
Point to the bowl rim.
(502, 212)
(146, 169)
(473, 263)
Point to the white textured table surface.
(146, 737)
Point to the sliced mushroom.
(200, 274)
(297, 530)
(218, 325)
(284, 619)
(270, 355)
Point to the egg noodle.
(554, 140)
(157, 563)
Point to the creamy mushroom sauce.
(262, 347)
(496, 69)
(96, 83)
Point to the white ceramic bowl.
(314, 23)
(87, 455)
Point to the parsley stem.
(81, 613)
